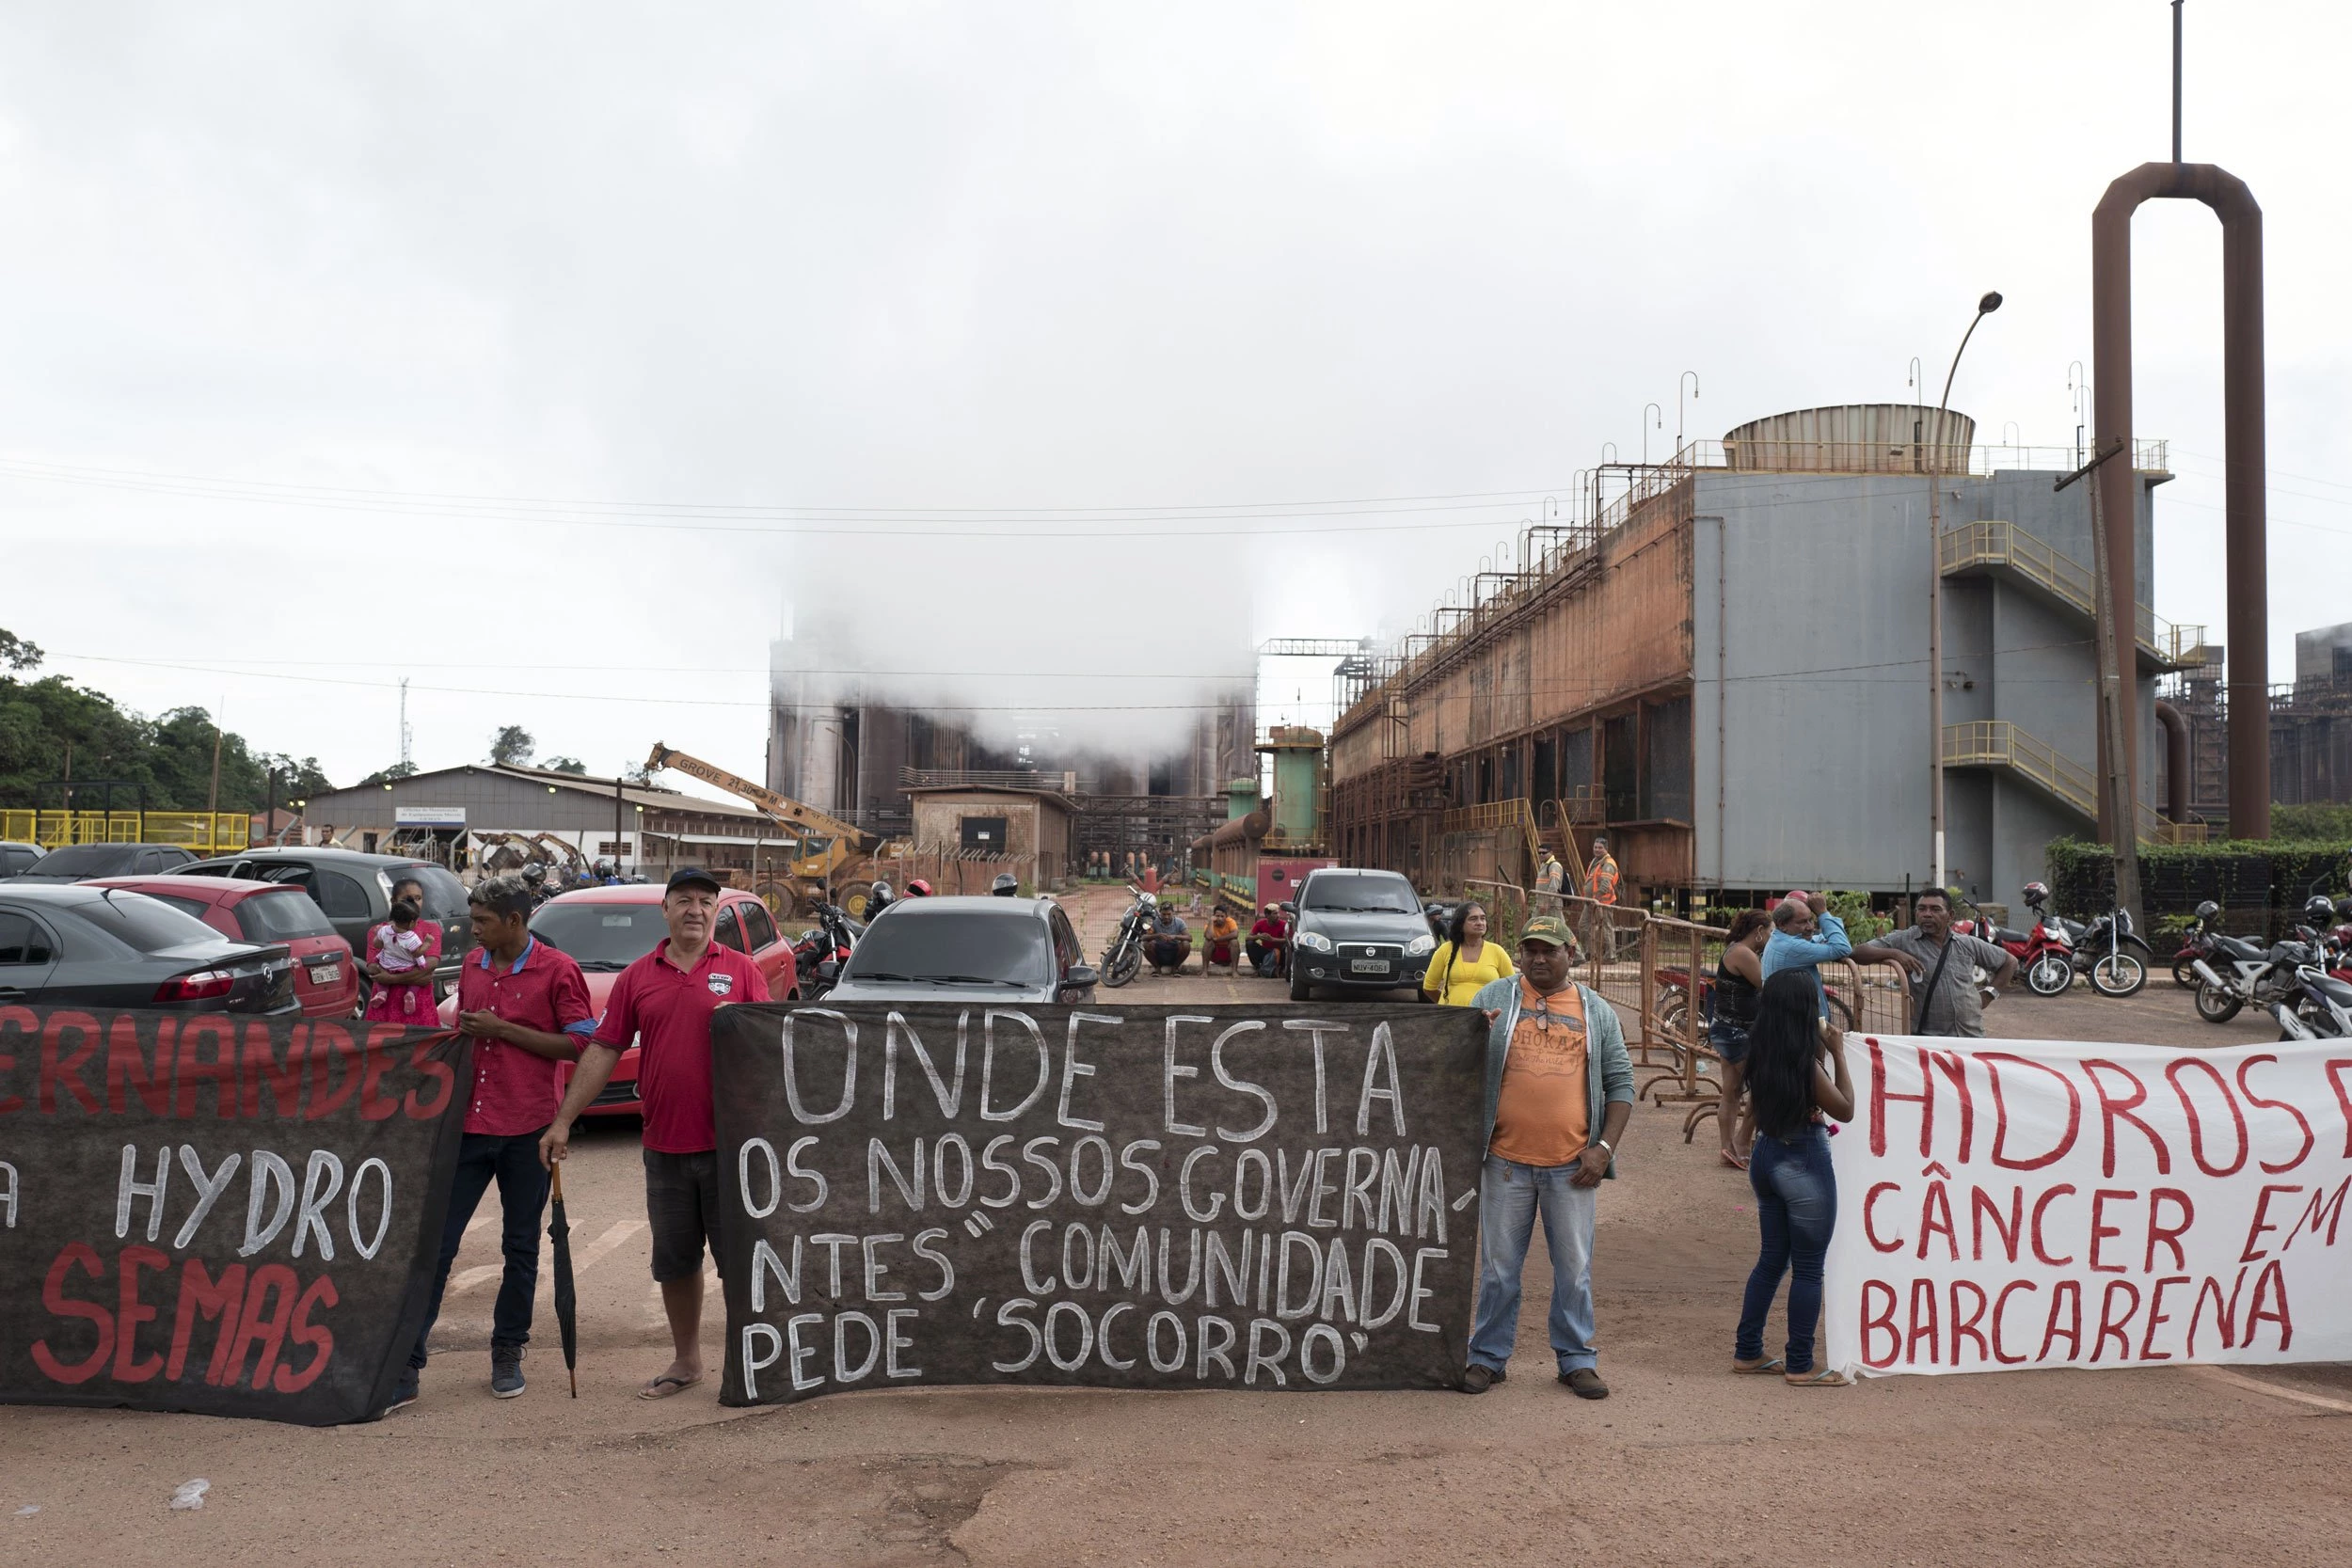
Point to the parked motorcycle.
(820, 953)
(2045, 941)
(2196, 944)
(2318, 1009)
(2107, 950)
(2236, 972)
(1123, 960)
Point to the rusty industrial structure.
(862, 747)
(2248, 695)
(1722, 664)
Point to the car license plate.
(1368, 966)
(326, 974)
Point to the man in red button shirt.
(527, 1008)
(663, 1002)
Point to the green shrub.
(2314, 822)
(2259, 883)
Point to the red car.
(606, 930)
(326, 981)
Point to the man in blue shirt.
(1805, 935)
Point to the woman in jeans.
(1796, 1074)
(1739, 977)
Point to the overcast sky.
(993, 271)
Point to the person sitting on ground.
(1942, 966)
(1171, 942)
(1738, 977)
(1466, 961)
(1805, 935)
(1796, 1074)
(1224, 941)
(1267, 940)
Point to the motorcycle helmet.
(918, 888)
(2319, 910)
(1007, 885)
(2037, 894)
(534, 874)
(2207, 910)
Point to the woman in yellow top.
(1465, 961)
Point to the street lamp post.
(1651, 413)
(1692, 378)
(1985, 306)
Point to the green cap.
(1545, 927)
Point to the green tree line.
(53, 728)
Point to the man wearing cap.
(527, 1008)
(1556, 1069)
(663, 1003)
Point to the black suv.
(1357, 930)
(355, 892)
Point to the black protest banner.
(1147, 1196)
(237, 1216)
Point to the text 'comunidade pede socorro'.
(1145, 1196)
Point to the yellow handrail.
(204, 833)
(1998, 743)
(1996, 542)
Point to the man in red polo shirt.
(527, 1008)
(663, 1002)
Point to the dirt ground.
(1684, 1465)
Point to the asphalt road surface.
(1684, 1465)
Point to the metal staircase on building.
(2002, 550)
(1998, 743)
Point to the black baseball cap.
(692, 875)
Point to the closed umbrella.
(566, 1294)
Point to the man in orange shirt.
(1556, 1068)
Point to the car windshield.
(88, 860)
(146, 924)
(277, 916)
(1360, 894)
(1008, 948)
(444, 894)
(601, 936)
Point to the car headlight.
(1419, 945)
(1314, 942)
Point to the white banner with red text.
(2008, 1204)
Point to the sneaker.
(1477, 1379)
(1585, 1384)
(404, 1392)
(506, 1371)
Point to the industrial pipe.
(2175, 762)
(2249, 631)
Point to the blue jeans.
(1509, 1197)
(1796, 1209)
(512, 1162)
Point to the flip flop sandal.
(665, 1386)
(1758, 1368)
(1732, 1160)
(1820, 1378)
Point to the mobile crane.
(830, 850)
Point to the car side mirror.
(1288, 908)
(1078, 976)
